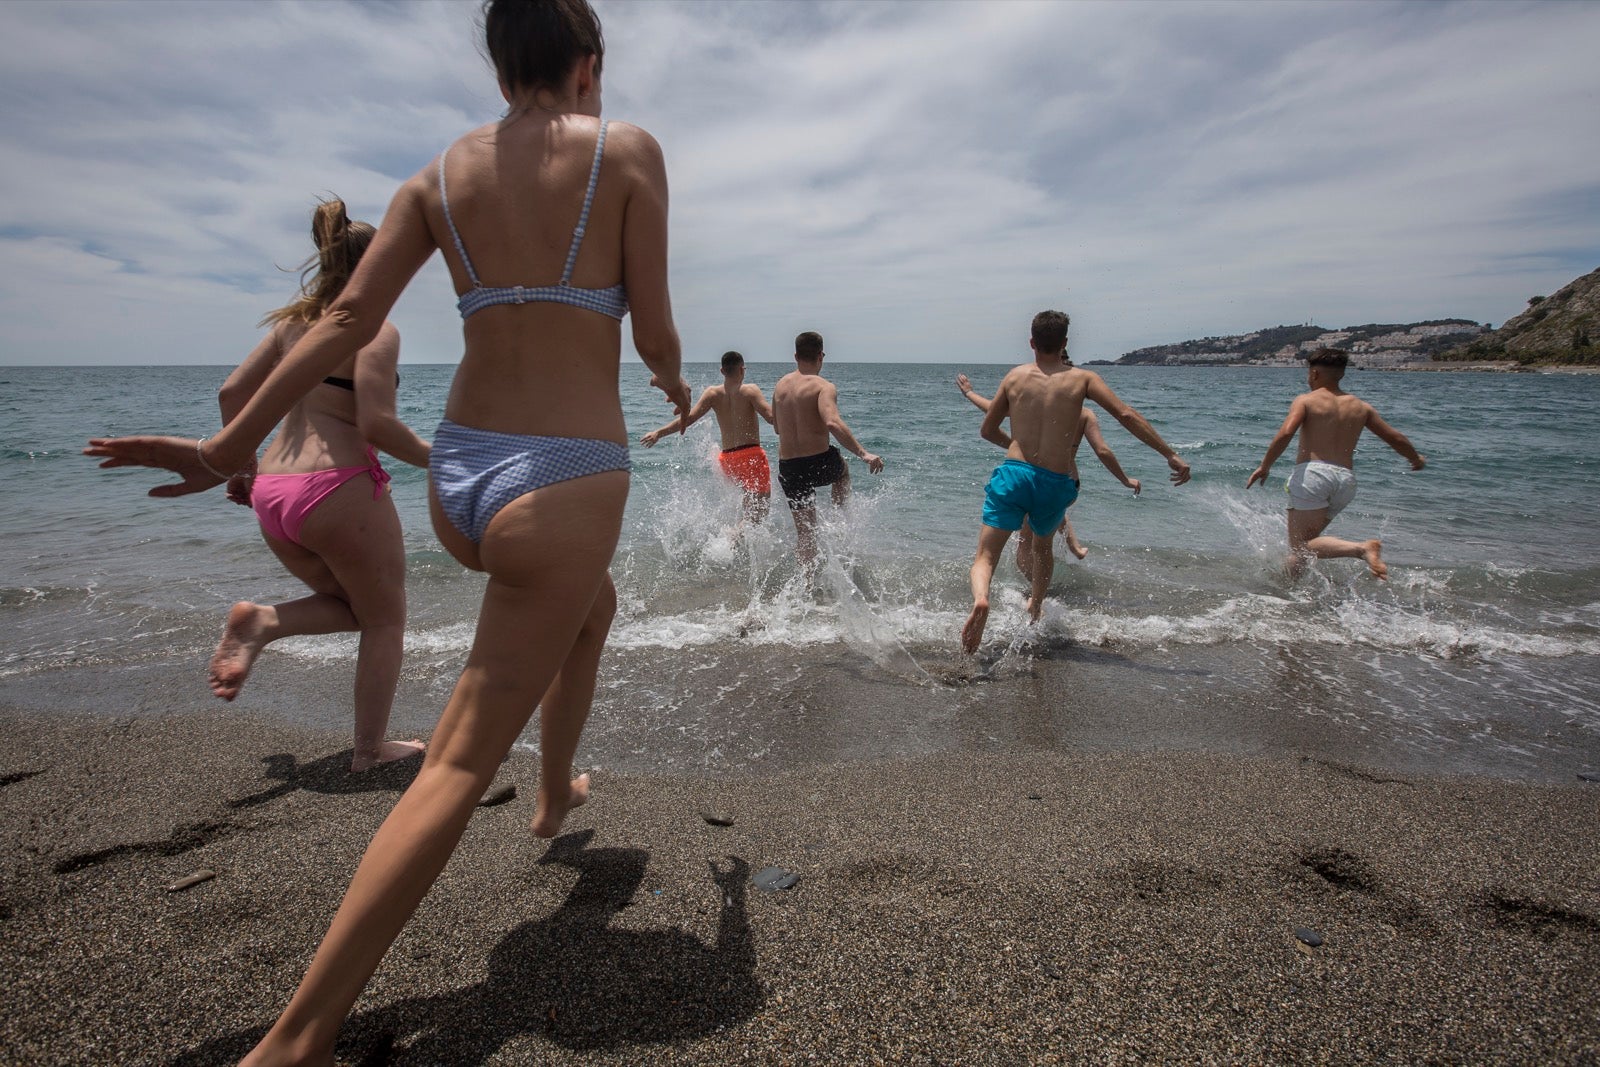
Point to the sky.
(913, 180)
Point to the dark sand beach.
(1012, 907)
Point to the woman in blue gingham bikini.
(529, 470)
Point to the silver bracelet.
(200, 454)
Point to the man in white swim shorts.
(1329, 421)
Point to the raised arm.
(237, 391)
(1102, 451)
(400, 248)
(995, 415)
(828, 408)
(644, 269)
(1285, 434)
(1394, 439)
(680, 423)
(1137, 425)
(964, 384)
(375, 401)
(758, 400)
(248, 376)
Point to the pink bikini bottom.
(283, 502)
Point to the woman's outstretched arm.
(400, 248)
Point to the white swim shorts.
(1317, 485)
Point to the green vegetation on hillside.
(1562, 328)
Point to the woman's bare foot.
(1373, 551)
(1075, 548)
(1035, 608)
(550, 811)
(972, 631)
(243, 638)
(388, 752)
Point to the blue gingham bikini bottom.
(476, 472)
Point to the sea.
(1179, 632)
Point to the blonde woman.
(553, 224)
(322, 497)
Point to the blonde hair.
(340, 244)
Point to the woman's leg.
(562, 713)
(251, 627)
(360, 541)
(546, 554)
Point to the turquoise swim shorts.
(1018, 489)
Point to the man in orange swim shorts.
(736, 404)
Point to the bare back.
(1046, 413)
(320, 432)
(736, 414)
(798, 401)
(1331, 424)
(516, 191)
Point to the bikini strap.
(461, 249)
(375, 471)
(588, 200)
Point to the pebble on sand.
(1308, 936)
(498, 796)
(774, 878)
(714, 819)
(189, 881)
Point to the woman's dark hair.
(534, 43)
(340, 245)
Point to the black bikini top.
(350, 384)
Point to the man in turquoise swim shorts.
(1039, 477)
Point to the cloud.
(914, 180)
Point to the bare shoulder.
(750, 389)
(712, 392)
(633, 144)
(385, 347)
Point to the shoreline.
(995, 907)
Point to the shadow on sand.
(329, 775)
(570, 979)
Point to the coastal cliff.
(1374, 345)
(1563, 328)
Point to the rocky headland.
(1558, 331)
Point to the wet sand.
(1002, 907)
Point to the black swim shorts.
(800, 478)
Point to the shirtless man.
(806, 408)
(1038, 479)
(1088, 430)
(1329, 421)
(736, 404)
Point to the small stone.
(714, 819)
(1052, 971)
(1308, 936)
(189, 881)
(1035, 796)
(1589, 776)
(495, 797)
(774, 878)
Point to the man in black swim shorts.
(801, 478)
(806, 409)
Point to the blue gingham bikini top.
(611, 301)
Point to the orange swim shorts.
(747, 465)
